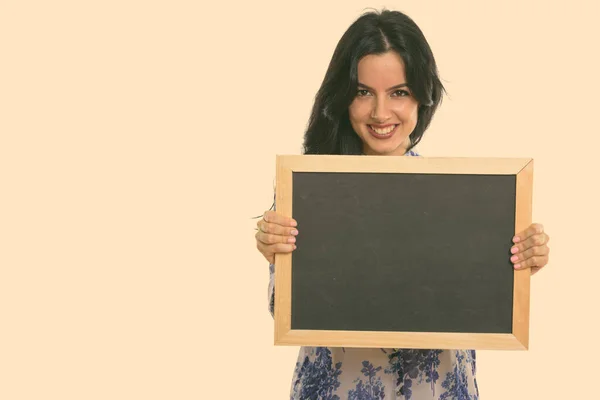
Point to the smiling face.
(384, 112)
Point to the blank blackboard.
(403, 252)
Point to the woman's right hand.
(276, 234)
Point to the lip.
(377, 135)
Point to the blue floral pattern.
(323, 373)
(373, 389)
(317, 378)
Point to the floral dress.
(337, 373)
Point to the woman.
(378, 97)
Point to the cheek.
(359, 111)
(408, 113)
(414, 114)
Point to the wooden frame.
(517, 340)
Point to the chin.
(385, 149)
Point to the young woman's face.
(384, 112)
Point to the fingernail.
(292, 240)
(516, 239)
(294, 247)
(517, 266)
(514, 250)
(514, 258)
(294, 223)
(294, 232)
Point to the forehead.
(381, 70)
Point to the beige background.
(139, 138)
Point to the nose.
(380, 111)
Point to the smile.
(382, 132)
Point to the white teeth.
(384, 131)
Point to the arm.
(275, 234)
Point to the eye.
(401, 93)
(362, 93)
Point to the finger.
(533, 262)
(531, 252)
(537, 240)
(282, 248)
(269, 255)
(276, 229)
(268, 238)
(533, 229)
(276, 218)
(270, 250)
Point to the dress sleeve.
(271, 290)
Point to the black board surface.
(403, 252)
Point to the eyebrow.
(392, 88)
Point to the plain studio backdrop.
(138, 140)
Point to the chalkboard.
(403, 252)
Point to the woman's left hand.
(531, 249)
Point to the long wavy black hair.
(377, 32)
